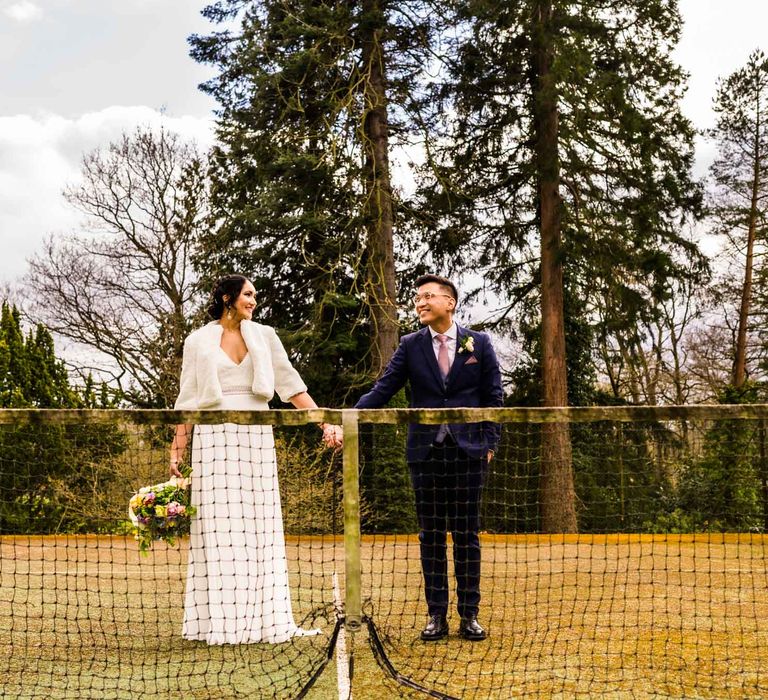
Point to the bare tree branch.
(124, 287)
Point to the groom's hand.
(490, 455)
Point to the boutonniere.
(467, 343)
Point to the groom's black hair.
(442, 281)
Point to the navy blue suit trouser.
(448, 486)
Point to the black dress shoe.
(437, 628)
(470, 628)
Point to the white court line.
(342, 663)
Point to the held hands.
(333, 435)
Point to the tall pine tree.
(739, 198)
(313, 97)
(568, 155)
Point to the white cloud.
(23, 11)
(40, 156)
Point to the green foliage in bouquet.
(161, 512)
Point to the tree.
(314, 97)
(653, 363)
(378, 187)
(739, 197)
(568, 156)
(35, 460)
(520, 480)
(558, 500)
(723, 488)
(125, 292)
(710, 358)
(15, 371)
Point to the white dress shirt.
(450, 344)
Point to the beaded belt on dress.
(244, 389)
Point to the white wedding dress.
(237, 578)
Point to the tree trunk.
(677, 380)
(740, 362)
(558, 498)
(380, 273)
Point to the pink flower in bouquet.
(172, 509)
(149, 498)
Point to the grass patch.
(622, 616)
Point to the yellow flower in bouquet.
(161, 512)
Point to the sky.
(77, 73)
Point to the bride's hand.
(173, 469)
(333, 435)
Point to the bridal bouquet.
(161, 512)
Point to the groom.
(447, 366)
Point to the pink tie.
(442, 355)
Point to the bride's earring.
(230, 314)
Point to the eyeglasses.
(427, 296)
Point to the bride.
(237, 577)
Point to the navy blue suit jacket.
(474, 381)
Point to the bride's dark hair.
(228, 286)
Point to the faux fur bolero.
(272, 370)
